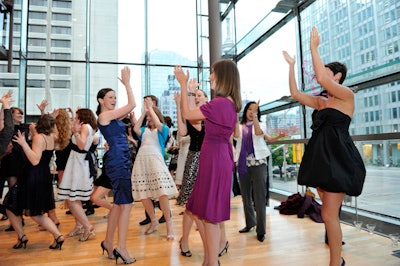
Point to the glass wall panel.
(264, 71)
(172, 32)
(106, 76)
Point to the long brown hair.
(228, 81)
(86, 116)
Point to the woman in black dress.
(331, 162)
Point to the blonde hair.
(63, 124)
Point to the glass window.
(62, 4)
(61, 43)
(36, 69)
(34, 83)
(61, 30)
(59, 70)
(37, 15)
(61, 56)
(61, 17)
(60, 84)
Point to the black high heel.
(110, 256)
(118, 255)
(224, 250)
(21, 242)
(184, 253)
(343, 262)
(58, 243)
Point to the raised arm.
(122, 112)
(150, 111)
(182, 128)
(299, 96)
(187, 113)
(257, 127)
(329, 83)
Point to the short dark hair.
(337, 67)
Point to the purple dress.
(211, 195)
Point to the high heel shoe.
(224, 250)
(118, 255)
(343, 262)
(77, 230)
(109, 255)
(153, 227)
(21, 242)
(59, 243)
(86, 234)
(184, 253)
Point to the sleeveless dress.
(36, 186)
(116, 164)
(77, 182)
(211, 195)
(192, 162)
(150, 175)
(331, 161)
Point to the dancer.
(77, 182)
(214, 178)
(150, 176)
(36, 189)
(116, 165)
(331, 162)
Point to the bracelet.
(76, 135)
(191, 93)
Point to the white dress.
(184, 143)
(77, 184)
(150, 174)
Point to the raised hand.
(42, 106)
(125, 76)
(193, 84)
(314, 38)
(288, 58)
(177, 98)
(181, 77)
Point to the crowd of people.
(204, 159)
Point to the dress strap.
(44, 140)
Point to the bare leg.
(331, 203)
(212, 231)
(223, 242)
(200, 226)
(187, 223)
(166, 209)
(123, 223)
(81, 218)
(112, 223)
(98, 197)
(16, 223)
(48, 224)
(149, 207)
(53, 216)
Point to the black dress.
(37, 196)
(331, 160)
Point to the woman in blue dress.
(116, 165)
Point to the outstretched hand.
(193, 84)
(288, 58)
(181, 77)
(6, 99)
(314, 38)
(177, 98)
(125, 76)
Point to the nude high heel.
(152, 228)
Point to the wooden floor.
(290, 241)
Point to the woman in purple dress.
(213, 183)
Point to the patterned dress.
(150, 175)
(192, 162)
